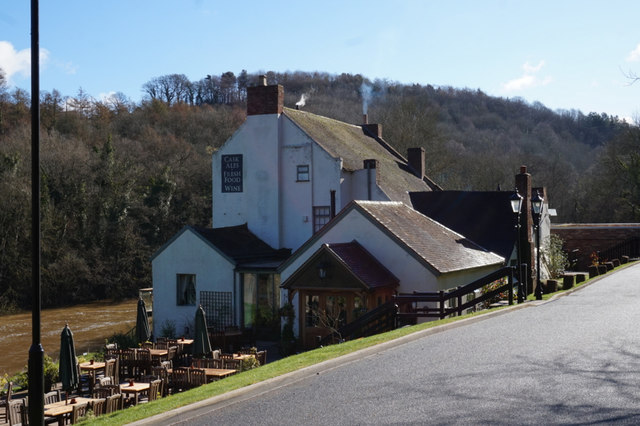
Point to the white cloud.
(528, 79)
(634, 55)
(107, 97)
(15, 62)
(519, 83)
(532, 69)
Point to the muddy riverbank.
(91, 324)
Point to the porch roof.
(361, 270)
(363, 265)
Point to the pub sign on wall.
(231, 173)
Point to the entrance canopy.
(341, 267)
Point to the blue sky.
(564, 54)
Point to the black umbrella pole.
(36, 351)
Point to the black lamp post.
(36, 351)
(536, 207)
(516, 206)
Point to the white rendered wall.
(188, 254)
(258, 203)
(359, 181)
(299, 198)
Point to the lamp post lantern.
(537, 204)
(516, 206)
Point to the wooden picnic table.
(242, 357)
(135, 388)
(160, 354)
(62, 408)
(218, 373)
(92, 368)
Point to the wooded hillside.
(120, 178)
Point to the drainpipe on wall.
(369, 165)
(333, 203)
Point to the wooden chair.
(174, 343)
(104, 381)
(5, 402)
(111, 351)
(14, 412)
(197, 377)
(127, 362)
(114, 403)
(147, 345)
(232, 364)
(154, 390)
(99, 406)
(143, 362)
(261, 356)
(102, 392)
(180, 379)
(161, 373)
(172, 352)
(110, 369)
(211, 363)
(51, 397)
(78, 411)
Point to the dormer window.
(302, 174)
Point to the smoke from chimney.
(366, 91)
(302, 102)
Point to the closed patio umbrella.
(201, 343)
(68, 367)
(142, 323)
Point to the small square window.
(302, 173)
(186, 289)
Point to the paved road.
(574, 360)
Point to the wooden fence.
(444, 303)
(405, 308)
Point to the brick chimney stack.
(263, 99)
(415, 157)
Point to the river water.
(90, 324)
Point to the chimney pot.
(262, 80)
(523, 169)
(365, 118)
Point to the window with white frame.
(321, 215)
(186, 289)
(302, 173)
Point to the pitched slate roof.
(436, 246)
(362, 264)
(440, 247)
(484, 217)
(240, 244)
(353, 144)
